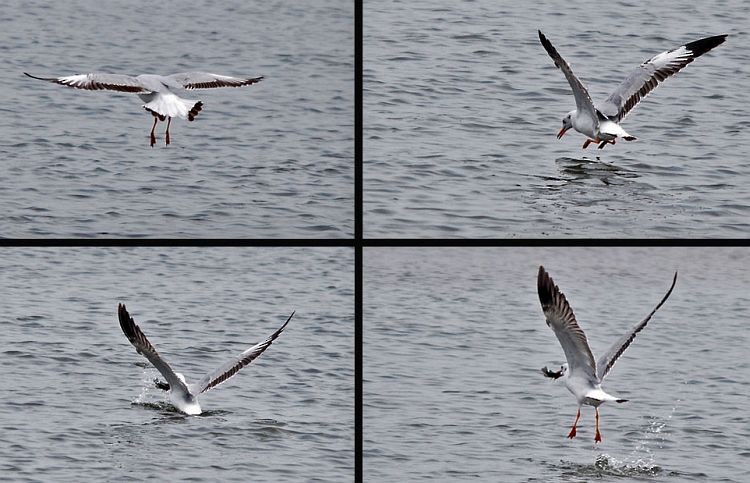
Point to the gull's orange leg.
(572, 433)
(598, 437)
(169, 120)
(153, 137)
(586, 144)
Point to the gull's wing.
(213, 379)
(144, 347)
(605, 362)
(205, 80)
(583, 99)
(97, 81)
(648, 75)
(562, 320)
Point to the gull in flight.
(601, 122)
(182, 395)
(582, 374)
(158, 92)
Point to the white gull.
(582, 374)
(185, 396)
(601, 122)
(158, 92)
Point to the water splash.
(148, 388)
(642, 459)
(640, 462)
(609, 465)
(653, 435)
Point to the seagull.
(182, 395)
(582, 374)
(601, 122)
(158, 92)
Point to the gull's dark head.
(555, 374)
(161, 385)
(567, 123)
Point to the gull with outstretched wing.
(582, 374)
(157, 91)
(601, 122)
(184, 396)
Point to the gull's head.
(567, 123)
(555, 374)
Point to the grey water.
(454, 339)
(462, 105)
(78, 403)
(268, 160)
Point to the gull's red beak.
(562, 132)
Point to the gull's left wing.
(142, 345)
(205, 80)
(213, 379)
(97, 81)
(581, 95)
(562, 321)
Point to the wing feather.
(97, 81)
(223, 373)
(206, 80)
(607, 361)
(562, 320)
(647, 76)
(581, 94)
(146, 349)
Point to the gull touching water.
(158, 92)
(181, 394)
(601, 122)
(582, 374)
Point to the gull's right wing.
(206, 80)
(213, 379)
(644, 79)
(605, 362)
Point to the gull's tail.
(169, 105)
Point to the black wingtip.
(544, 286)
(700, 47)
(543, 39)
(281, 329)
(287, 320)
(164, 386)
(126, 322)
